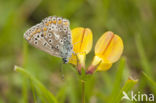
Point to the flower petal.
(104, 66)
(109, 47)
(99, 65)
(82, 58)
(82, 43)
(82, 40)
(73, 59)
(96, 61)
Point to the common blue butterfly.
(52, 35)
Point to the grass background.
(133, 20)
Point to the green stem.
(24, 84)
(83, 91)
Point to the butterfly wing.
(35, 36)
(53, 36)
(57, 33)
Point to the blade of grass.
(48, 96)
(150, 82)
(127, 87)
(150, 79)
(108, 81)
(143, 59)
(33, 91)
(118, 79)
(25, 81)
(61, 94)
(72, 91)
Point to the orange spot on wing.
(50, 22)
(66, 23)
(29, 38)
(45, 29)
(54, 21)
(59, 22)
(47, 24)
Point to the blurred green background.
(133, 20)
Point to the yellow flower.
(108, 50)
(82, 44)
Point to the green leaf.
(46, 96)
(127, 87)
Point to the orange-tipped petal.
(109, 47)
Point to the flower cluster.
(108, 50)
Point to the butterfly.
(52, 35)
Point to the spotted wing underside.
(52, 36)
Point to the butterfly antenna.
(61, 70)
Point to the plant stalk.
(83, 91)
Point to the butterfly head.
(65, 60)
